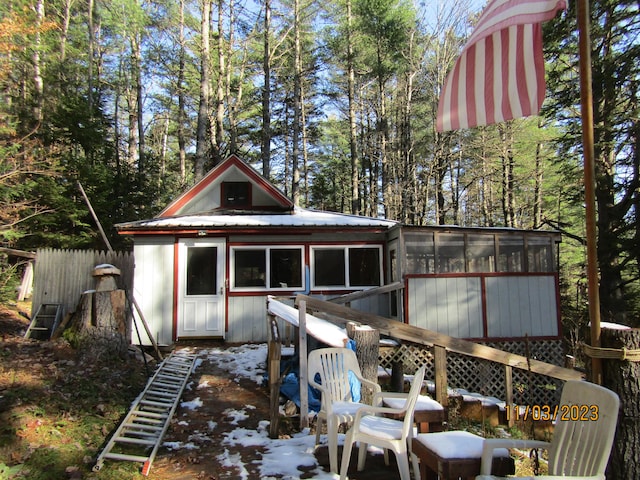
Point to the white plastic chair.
(337, 406)
(371, 428)
(582, 438)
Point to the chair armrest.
(490, 444)
(382, 395)
(376, 388)
(373, 385)
(373, 410)
(314, 384)
(379, 397)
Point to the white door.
(201, 306)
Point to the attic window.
(236, 194)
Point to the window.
(481, 253)
(286, 268)
(266, 267)
(420, 253)
(249, 268)
(346, 266)
(450, 253)
(511, 258)
(364, 267)
(236, 194)
(329, 267)
(201, 270)
(540, 254)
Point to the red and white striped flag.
(500, 72)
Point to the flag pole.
(586, 102)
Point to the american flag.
(500, 73)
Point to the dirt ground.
(52, 399)
(225, 394)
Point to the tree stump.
(367, 350)
(623, 377)
(100, 323)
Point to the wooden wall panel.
(521, 305)
(515, 305)
(153, 290)
(449, 305)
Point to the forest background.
(332, 101)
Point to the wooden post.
(622, 377)
(273, 365)
(302, 349)
(508, 388)
(397, 377)
(586, 113)
(275, 354)
(440, 366)
(368, 352)
(134, 303)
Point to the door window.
(201, 270)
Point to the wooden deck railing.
(441, 344)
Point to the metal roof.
(299, 217)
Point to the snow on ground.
(281, 457)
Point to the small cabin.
(207, 263)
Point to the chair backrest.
(333, 366)
(412, 400)
(585, 428)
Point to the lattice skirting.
(485, 377)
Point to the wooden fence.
(61, 276)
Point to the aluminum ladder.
(45, 321)
(143, 428)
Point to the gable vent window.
(236, 194)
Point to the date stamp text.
(551, 413)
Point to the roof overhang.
(298, 220)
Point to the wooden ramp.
(140, 434)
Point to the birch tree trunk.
(353, 134)
(297, 106)
(202, 148)
(537, 188)
(508, 162)
(64, 31)
(218, 130)
(90, 62)
(38, 82)
(266, 94)
(137, 68)
(182, 114)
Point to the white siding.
(451, 305)
(521, 305)
(247, 316)
(247, 319)
(515, 305)
(153, 289)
